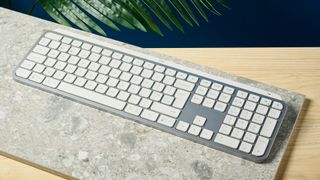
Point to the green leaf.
(210, 7)
(199, 8)
(180, 10)
(189, 11)
(53, 12)
(158, 13)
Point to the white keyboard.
(210, 110)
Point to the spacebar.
(93, 96)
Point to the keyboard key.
(117, 55)
(206, 134)
(197, 99)
(224, 98)
(165, 109)
(274, 113)
(220, 106)
(227, 141)
(145, 103)
(181, 84)
(265, 101)
(234, 111)
(182, 126)
(245, 147)
(237, 133)
(69, 78)
(242, 124)
(192, 79)
(132, 109)
(122, 95)
(217, 86)
(261, 109)
(253, 98)
(255, 128)
(260, 146)
(150, 115)
(167, 121)
(194, 130)
(268, 127)
(201, 90)
(250, 106)
(246, 114)
(37, 58)
(277, 105)
(208, 102)
(38, 78)
(199, 120)
(53, 83)
(205, 83)
(242, 94)
(53, 36)
(159, 68)
(23, 73)
(249, 137)
(213, 94)
(230, 120)
(228, 90)
(225, 129)
(258, 118)
(102, 88)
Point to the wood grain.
(295, 69)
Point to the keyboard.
(210, 110)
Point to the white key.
(237, 133)
(268, 127)
(182, 126)
(206, 134)
(136, 80)
(74, 51)
(106, 52)
(167, 99)
(246, 114)
(90, 85)
(146, 103)
(144, 92)
(164, 109)
(197, 99)
(73, 60)
(147, 83)
(261, 109)
(60, 65)
(134, 99)
(70, 68)
(213, 94)
(115, 73)
(84, 54)
(220, 106)
(146, 73)
(230, 120)
(242, 124)
(138, 62)
(27, 64)
(101, 78)
(242, 94)
(83, 63)
(112, 82)
(96, 49)
(115, 63)
(157, 76)
(91, 75)
(224, 98)
(274, 113)
(249, 137)
(199, 120)
(167, 121)
(205, 83)
(36, 77)
(63, 56)
(23, 73)
(169, 90)
(94, 57)
(76, 43)
(225, 129)
(148, 65)
(158, 87)
(217, 86)
(39, 68)
(254, 128)
(181, 84)
(170, 72)
(194, 130)
(50, 62)
(127, 59)
(149, 115)
(86, 46)
(159, 68)
(69, 78)
(201, 90)
(104, 60)
(234, 111)
(53, 53)
(123, 85)
(80, 72)
(93, 96)
(250, 106)
(245, 147)
(168, 80)
(253, 98)
(181, 98)
(208, 102)
(41, 50)
(112, 92)
(66, 40)
(104, 69)
(258, 118)
(80, 81)
(36, 58)
(123, 95)
(260, 146)
(134, 89)
(49, 71)
(102, 88)
(53, 36)
(44, 41)
(277, 105)
(117, 55)
(54, 45)
(228, 90)
(94, 66)
(265, 101)
(227, 141)
(192, 79)
(125, 76)
(132, 109)
(181, 75)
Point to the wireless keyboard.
(210, 110)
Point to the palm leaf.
(131, 14)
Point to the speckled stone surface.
(90, 144)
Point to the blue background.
(250, 23)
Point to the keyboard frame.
(173, 131)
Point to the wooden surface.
(295, 69)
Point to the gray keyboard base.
(188, 113)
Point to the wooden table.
(296, 69)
